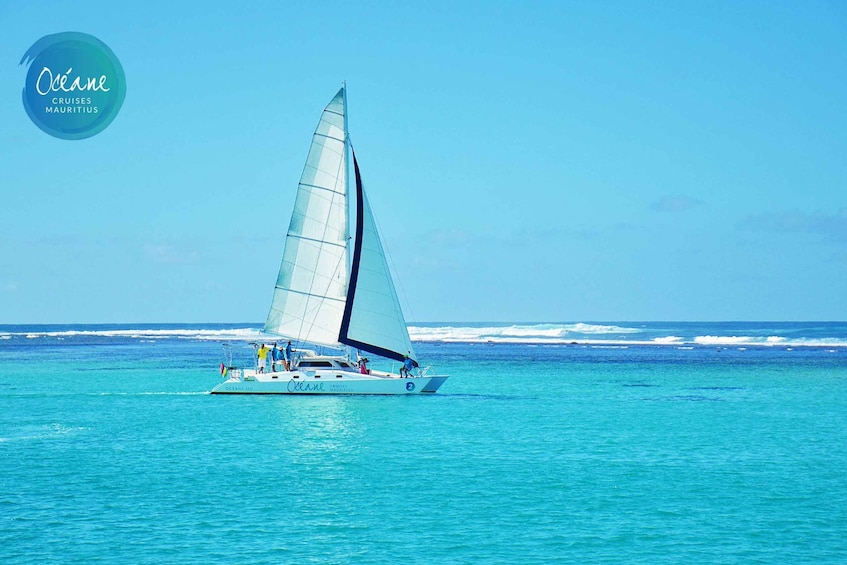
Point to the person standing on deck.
(408, 365)
(289, 356)
(262, 356)
(276, 357)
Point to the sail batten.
(322, 188)
(303, 237)
(329, 137)
(313, 295)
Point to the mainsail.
(316, 299)
(311, 288)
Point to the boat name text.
(305, 386)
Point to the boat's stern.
(235, 379)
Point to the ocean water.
(620, 443)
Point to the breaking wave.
(555, 333)
(601, 335)
(768, 341)
(234, 334)
(668, 340)
(647, 334)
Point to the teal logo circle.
(410, 386)
(74, 86)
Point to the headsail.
(373, 320)
(309, 298)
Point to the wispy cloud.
(170, 255)
(830, 227)
(451, 237)
(516, 236)
(676, 203)
(838, 256)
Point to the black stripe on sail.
(354, 277)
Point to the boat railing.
(234, 374)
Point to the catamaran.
(334, 288)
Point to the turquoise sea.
(614, 443)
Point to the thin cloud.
(451, 237)
(170, 255)
(676, 204)
(830, 227)
(533, 237)
(839, 256)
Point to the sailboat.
(334, 288)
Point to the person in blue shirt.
(276, 356)
(408, 365)
(289, 356)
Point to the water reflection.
(312, 424)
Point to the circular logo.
(410, 386)
(75, 85)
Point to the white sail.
(311, 289)
(373, 320)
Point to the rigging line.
(362, 203)
(393, 267)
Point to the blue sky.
(562, 161)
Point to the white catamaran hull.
(325, 382)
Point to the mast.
(347, 150)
